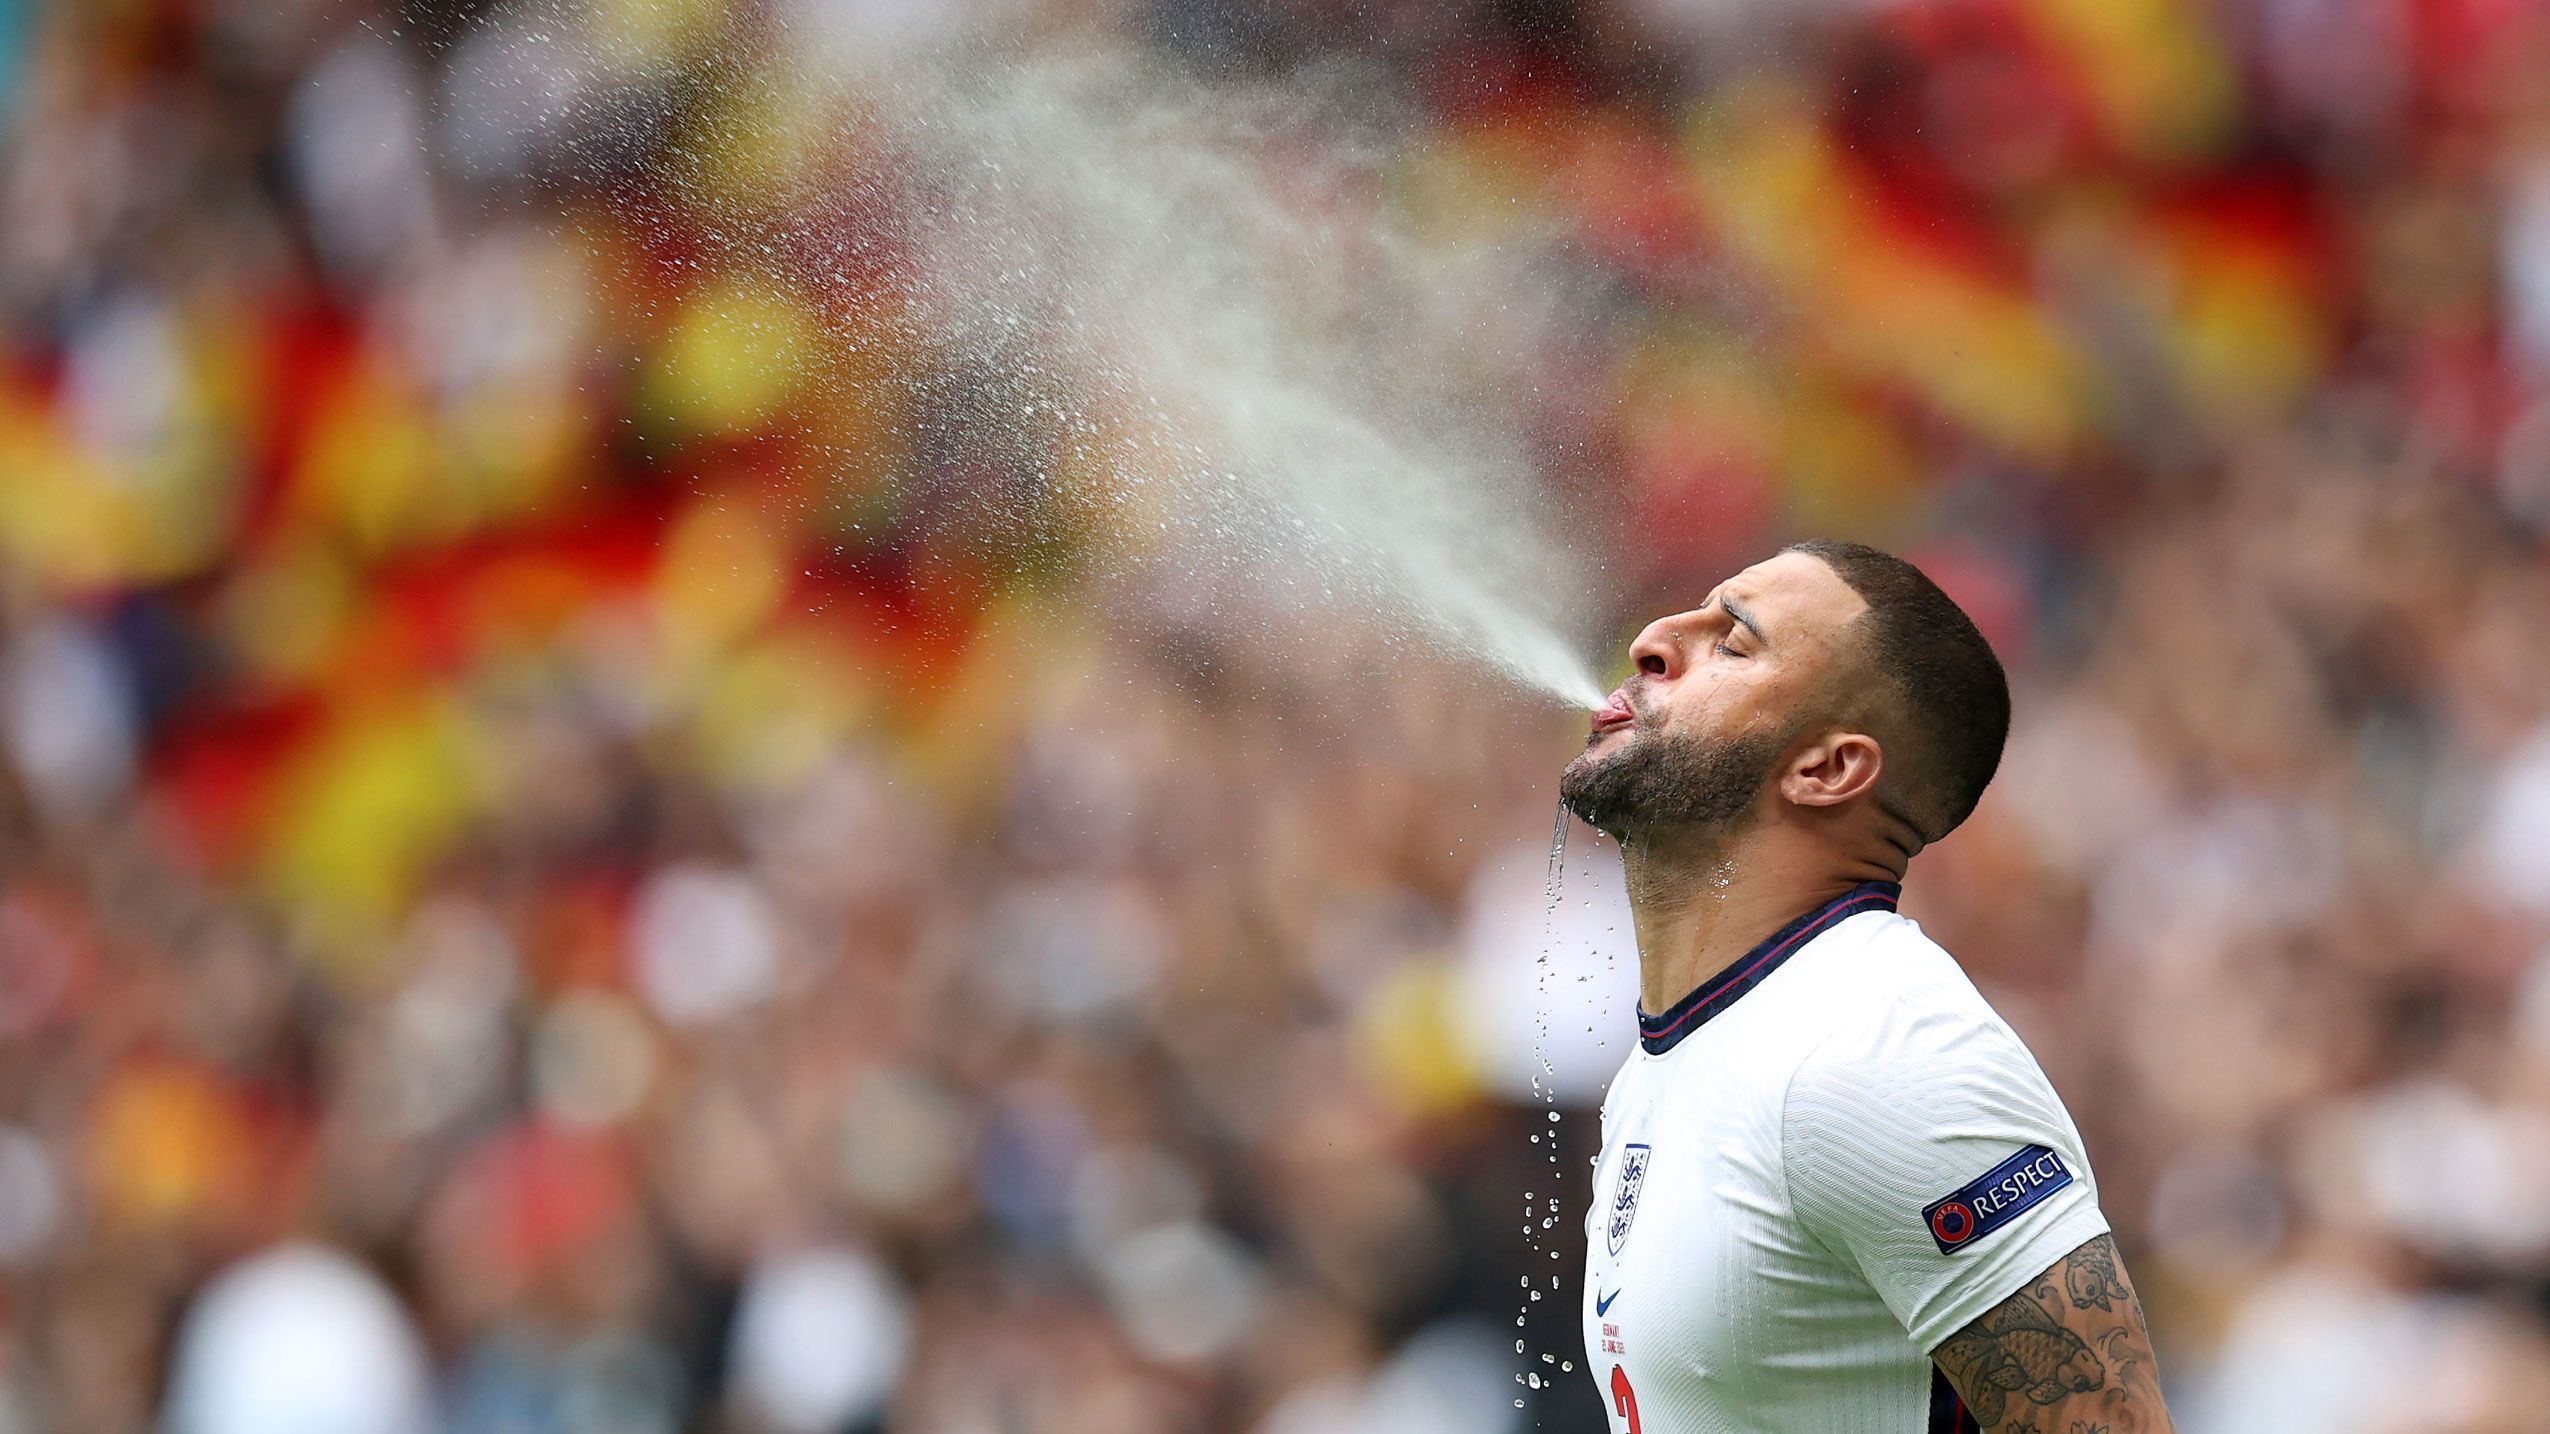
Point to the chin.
(1582, 762)
(1572, 784)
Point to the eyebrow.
(1744, 615)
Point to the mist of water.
(1196, 301)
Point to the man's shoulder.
(1887, 995)
(1877, 966)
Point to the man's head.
(1831, 679)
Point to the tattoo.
(2056, 1352)
(2122, 1349)
(2091, 1277)
(2019, 1348)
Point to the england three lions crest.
(1624, 1195)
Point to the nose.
(1658, 650)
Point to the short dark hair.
(1946, 683)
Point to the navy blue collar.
(1659, 1033)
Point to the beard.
(1662, 782)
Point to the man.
(1836, 1193)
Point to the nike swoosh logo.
(1602, 1303)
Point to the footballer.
(1836, 1193)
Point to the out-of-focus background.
(547, 885)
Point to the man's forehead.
(1796, 586)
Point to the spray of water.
(1188, 310)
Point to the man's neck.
(1701, 905)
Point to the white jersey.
(1816, 1168)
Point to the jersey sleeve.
(1930, 1152)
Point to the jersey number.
(1624, 1399)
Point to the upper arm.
(2067, 1354)
(1929, 1155)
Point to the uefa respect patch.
(1994, 1198)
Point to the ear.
(1833, 769)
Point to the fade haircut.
(1944, 683)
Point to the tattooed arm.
(2066, 1355)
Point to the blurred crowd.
(545, 887)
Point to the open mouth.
(1614, 714)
